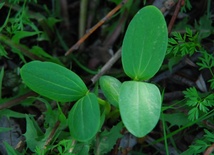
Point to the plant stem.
(172, 21)
(204, 117)
(101, 101)
(20, 47)
(164, 133)
(106, 104)
(82, 19)
(17, 100)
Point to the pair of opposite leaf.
(143, 51)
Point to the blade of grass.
(6, 20)
(83, 15)
(171, 139)
(204, 117)
(164, 133)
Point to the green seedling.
(143, 50)
(139, 103)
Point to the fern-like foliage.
(200, 145)
(187, 6)
(198, 103)
(207, 62)
(183, 45)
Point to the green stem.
(164, 133)
(106, 104)
(208, 8)
(23, 49)
(204, 117)
(82, 20)
(210, 69)
(102, 102)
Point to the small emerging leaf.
(53, 81)
(110, 87)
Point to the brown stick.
(209, 150)
(101, 22)
(7, 41)
(16, 101)
(107, 66)
(177, 9)
(56, 126)
(53, 131)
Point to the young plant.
(143, 50)
(139, 103)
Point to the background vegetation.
(47, 30)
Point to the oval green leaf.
(145, 43)
(53, 81)
(84, 118)
(110, 87)
(140, 107)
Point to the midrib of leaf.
(115, 91)
(63, 94)
(138, 105)
(133, 64)
(75, 82)
(141, 57)
(82, 122)
(55, 84)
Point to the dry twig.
(101, 22)
(177, 9)
(107, 66)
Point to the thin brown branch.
(209, 150)
(101, 22)
(175, 15)
(52, 133)
(56, 126)
(7, 41)
(109, 41)
(164, 5)
(17, 100)
(107, 66)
